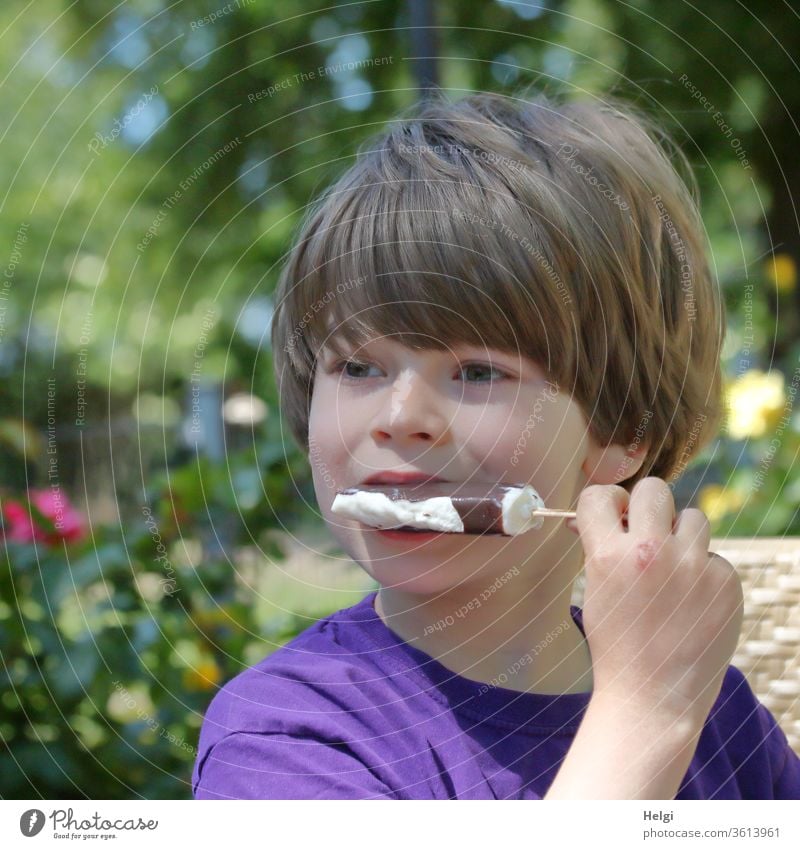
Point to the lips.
(400, 478)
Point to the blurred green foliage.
(112, 647)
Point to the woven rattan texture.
(769, 645)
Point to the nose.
(414, 410)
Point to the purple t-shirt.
(347, 710)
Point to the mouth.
(410, 534)
(401, 478)
(405, 479)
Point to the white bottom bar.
(331, 824)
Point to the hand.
(662, 615)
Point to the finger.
(572, 524)
(651, 512)
(599, 514)
(693, 527)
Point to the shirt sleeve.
(787, 778)
(283, 766)
(787, 785)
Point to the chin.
(420, 583)
(416, 574)
(422, 564)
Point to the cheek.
(321, 439)
(490, 435)
(565, 438)
(333, 439)
(335, 415)
(539, 434)
(325, 421)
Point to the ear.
(612, 464)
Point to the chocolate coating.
(480, 508)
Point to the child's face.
(467, 413)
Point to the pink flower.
(17, 523)
(21, 525)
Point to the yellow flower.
(754, 403)
(716, 501)
(205, 676)
(782, 271)
(130, 703)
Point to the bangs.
(537, 228)
(430, 263)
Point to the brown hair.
(557, 230)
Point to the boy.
(505, 290)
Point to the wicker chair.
(769, 646)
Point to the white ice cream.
(518, 504)
(378, 510)
(435, 514)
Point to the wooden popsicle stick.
(546, 511)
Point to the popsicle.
(461, 508)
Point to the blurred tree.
(158, 158)
(156, 161)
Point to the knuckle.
(603, 558)
(701, 517)
(619, 494)
(591, 491)
(734, 593)
(585, 500)
(653, 486)
(694, 513)
(734, 583)
(650, 545)
(695, 556)
(697, 520)
(649, 551)
(720, 563)
(726, 572)
(649, 481)
(602, 492)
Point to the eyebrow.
(335, 343)
(331, 350)
(339, 345)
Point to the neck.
(511, 628)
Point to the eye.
(481, 368)
(474, 372)
(353, 369)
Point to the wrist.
(627, 750)
(683, 724)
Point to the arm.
(284, 766)
(662, 617)
(619, 755)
